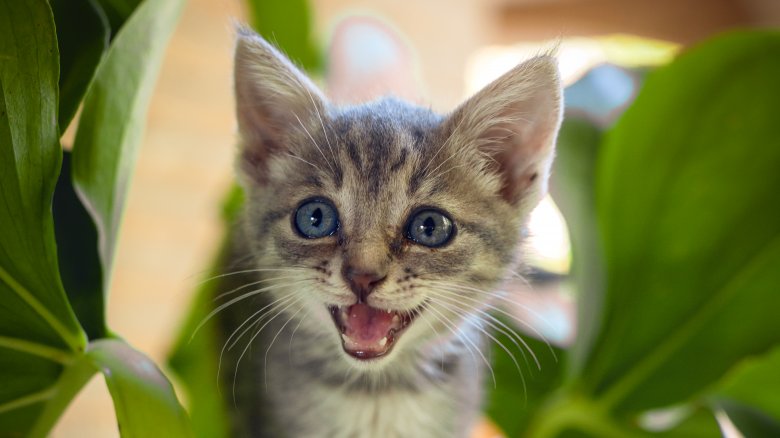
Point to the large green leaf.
(144, 400)
(114, 115)
(38, 330)
(690, 219)
(82, 37)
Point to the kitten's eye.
(316, 218)
(430, 228)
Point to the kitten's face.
(384, 226)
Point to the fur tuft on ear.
(271, 96)
(514, 122)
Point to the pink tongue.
(367, 325)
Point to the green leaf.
(82, 37)
(688, 211)
(287, 23)
(77, 251)
(572, 187)
(38, 330)
(114, 115)
(756, 383)
(34, 306)
(144, 400)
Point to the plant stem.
(568, 410)
(70, 383)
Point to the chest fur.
(391, 414)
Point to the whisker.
(517, 275)
(252, 339)
(265, 280)
(468, 348)
(447, 322)
(228, 345)
(292, 335)
(242, 297)
(245, 271)
(305, 161)
(465, 313)
(457, 166)
(314, 142)
(454, 300)
(265, 359)
(456, 288)
(324, 131)
(425, 169)
(495, 294)
(438, 336)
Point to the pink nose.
(363, 283)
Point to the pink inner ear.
(518, 173)
(520, 153)
(515, 119)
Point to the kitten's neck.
(442, 378)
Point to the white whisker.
(265, 359)
(292, 335)
(454, 299)
(228, 345)
(305, 161)
(314, 142)
(264, 280)
(243, 297)
(246, 271)
(465, 338)
(453, 287)
(252, 339)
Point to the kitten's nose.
(363, 283)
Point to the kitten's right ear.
(272, 97)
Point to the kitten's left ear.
(515, 120)
(273, 98)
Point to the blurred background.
(172, 226)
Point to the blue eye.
(430, 228)
(315, 219)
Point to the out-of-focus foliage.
(52, 283)
(287, 24)
(678, 207)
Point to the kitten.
(375, 233)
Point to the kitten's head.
(383, 226)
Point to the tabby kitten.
(375, 234)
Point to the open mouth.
(368, 332)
